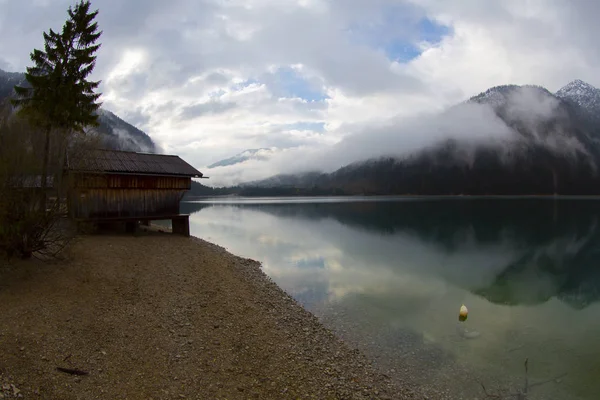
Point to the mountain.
(552, 147)
(583, 94)
(114, 133)
(199, 190)
(250, 154)
(120, 135)
(8, 80)
(304, 180)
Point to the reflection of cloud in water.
(403, 271)
(353, 260)
(269, 240)
(466, 243)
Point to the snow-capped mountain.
(549, 145)
(113, 131)
(583, 94)
(250, 154)
(541, 118)
(499, 95)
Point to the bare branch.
(29, 225)
(521, 394)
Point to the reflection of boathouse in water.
(130, 187)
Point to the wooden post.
(181, 225)
(131, 226)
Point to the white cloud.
(161, 61)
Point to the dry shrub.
(32, 222)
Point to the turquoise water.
(389, 276)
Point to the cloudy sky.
(207, 79)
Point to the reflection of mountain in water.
(566, 268)
(558, 240)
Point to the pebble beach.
(157, 316)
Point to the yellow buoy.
(462, 314)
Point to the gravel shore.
(157, 316)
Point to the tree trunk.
(59, 187)
(44, 183)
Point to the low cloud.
(394, 138)
(164, 63)
(472, 123)
(469, 124)
(531, 105)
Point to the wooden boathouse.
(130, 187)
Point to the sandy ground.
(157, 316)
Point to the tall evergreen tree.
(59, 96)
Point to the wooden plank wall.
(94, 196)
(131, 182)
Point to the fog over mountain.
(520, 139)
(517, 129)
(114, 132)
(210, 79)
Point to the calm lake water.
(389, 276)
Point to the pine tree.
(59, 96)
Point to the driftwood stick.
(490, 396)
(72, 371)
(548, 380)
(515, 348)
(522, 394)
(526, 389)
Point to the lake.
(389, 275)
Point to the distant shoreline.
(400, 197)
